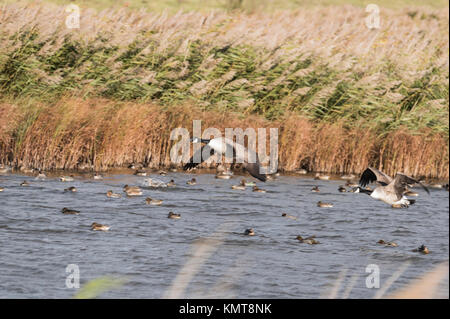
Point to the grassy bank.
(347, 96)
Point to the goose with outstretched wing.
(390, 190)
(226, 146)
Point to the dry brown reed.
(73, 131)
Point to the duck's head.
(299, 237)
(424, 249)
(283, 214)
(250, 232)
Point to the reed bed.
(344, 96)
(100, 133)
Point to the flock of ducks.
(393, 191)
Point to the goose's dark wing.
(401, 182)
(371, 175)
(252, 168)
(205, 152)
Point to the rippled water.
(148, 249)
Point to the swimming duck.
(288, 216)
(241, 186)
(322, 204)
(259, 190)
(98, 176)
(150, 201)
(5, 169)
(111, 194)
(422, 249)
(132, 190)
(342, 189)
(351, 184)
(173, 216)
(192, 182)
(249, 184)
(140, 172)
(162, 173)
(302, 171)
(171, 183)
(66, 178)
(249, 232)
(135, 166)
(321, 177)
(223, 176)
(96, 226)
(446, 187)
(315, 189)
(68, 211)
(71, 189)
(24, 183)
(309, 240)
(348, 176)
(387, 243)
(2, 189)
(40, 175)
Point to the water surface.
(148, 249)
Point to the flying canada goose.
(309, 240)
(225, 146)
(68, 211)
(151, 201)
(96, 226)
(71, 189)
(390, 191)
(322, 204)
(387, 243)
(173, 216)
(249, 232)
(111, 194)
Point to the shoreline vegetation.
(343, 96)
